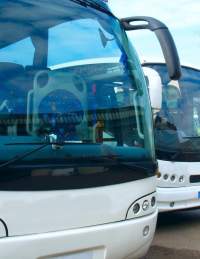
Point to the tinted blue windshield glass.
(84, 43)
(21, 52)
(69, 77)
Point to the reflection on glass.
(66, 73)
(177, 124)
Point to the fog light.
(145, 205)
(136, 208)
(146, 231)
(173, 178)
(166, 176)
(153, 201)
(181, 179)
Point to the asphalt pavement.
(177, 236)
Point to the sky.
(182, 18)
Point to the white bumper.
(178, 198)
(109, 241)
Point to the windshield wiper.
(55, 145)
(88, 3)
(191, 137)
(24, 155)
(49, 141)
(109, 157)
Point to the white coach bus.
(77, 162)
(177, 135)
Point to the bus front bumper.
(110, 241)
(178, 198)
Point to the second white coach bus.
(77, 162)
(177, 135)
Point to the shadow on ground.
(177, 236)
(178, 218)
(157, 252)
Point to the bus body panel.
(180, 198)
(2, 230)
(109, 241)
(35, 211)
(180, 195)
(178, 169)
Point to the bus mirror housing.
(164, 36)
(155, 88)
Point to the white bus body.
(77, 163)
(179, 178)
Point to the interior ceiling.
(22, 18)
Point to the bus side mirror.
(155, 88)
(164, 36)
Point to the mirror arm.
(151, 23)
(165, 38)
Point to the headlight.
(181, 179)
(173, 178)
(142, 207)
(166, 176)
(136, 208)
(153, 201)
(145, 205)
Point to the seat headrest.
(10, 70)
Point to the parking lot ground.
(157, 252)
(177, 236)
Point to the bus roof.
(102, 3)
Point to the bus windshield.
(177, 124)
(69, 78)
